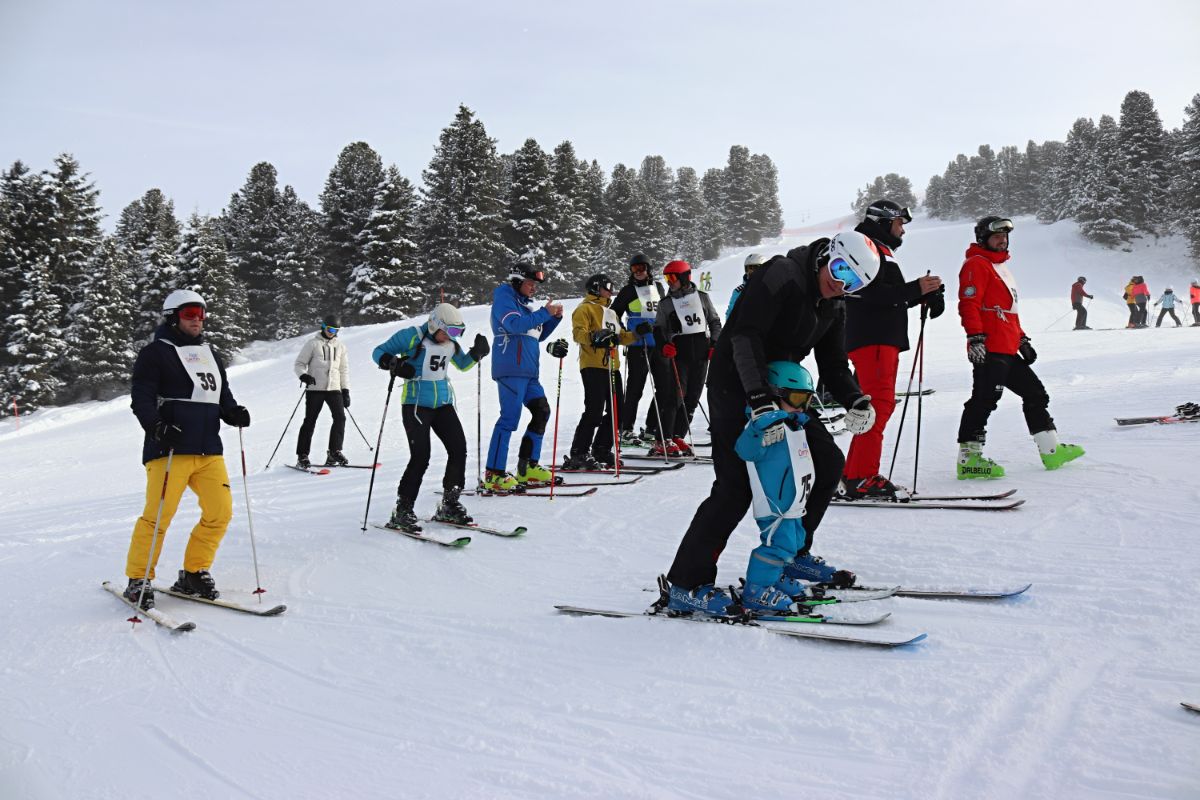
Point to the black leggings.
(1163, 313)
(312, 407)
(636, 359)
(595, 428)
(997, 373)
(444, 423)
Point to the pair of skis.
(327, 470)
(964, 502)
(459, 541)
(176, 626)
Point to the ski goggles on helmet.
(455, 331)
(330, 330)
(841, 270)
(888, 214)
(192, 313)
(796, 398)
(1000, 226)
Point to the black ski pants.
(1196, 312)
(1080, 314)
(1163, 313)
(1143, 314)
(595, 429)
(729, 498)
(997, 373)
(444, 423)
(635, 359)
(312, 408)
(679, 394)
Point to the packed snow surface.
(406, 670)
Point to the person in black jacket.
(876, 335)
(180, 396)
(638, 303)
(791, 307)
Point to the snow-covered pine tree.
(1066, 191)
(532, 211)
(654, 186)
(347, 203)
(767, 209)
(204, 267)
(875, 190)
(983, 184)
(689, 211)
(253, 240)
(462, 215)
(713, 232)
(937, 198)
(26, 233)
(389, 283)
(99, 348)
(1020, 176)
(593, 193)
(33, 341)
(899, 189)
(609, 254)
(712, 186)
(1010, 166)
(1101, 204)
(76, 230)
(1050, 158)
(570, 247)
(959, 187)
(741, 219)
(149, 232)
(1185, 187)
(622, 217)
(1143, 168)
(299, 273)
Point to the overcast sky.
(187, 96)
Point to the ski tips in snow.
(160, 618)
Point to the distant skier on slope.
(1167, 301)
(1001, 356)
(422, 356)
(324, 368)
(876, 335)
(792, 307)
(180, 395)
(1077, 295)
(1195, 298)
(517, 328)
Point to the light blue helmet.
(789, 376)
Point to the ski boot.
(630, 439)
(682, 446)
(875, 487)
(497, 482)
(302, 461)
(972, 464)
(334, 458)
(706, 599)
(670, 449)
(450, 510)
(1055, 453)
(813, 569)
(533, 474)
(583, 462)
(403, 517)
(768, 601)
(199, 584)
(1188, 411)
(134, 589)
(605, 458)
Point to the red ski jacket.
(1196, 294)
(987, 300)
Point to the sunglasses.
(796, 398)
(331, 331)
(455, 331)
(1000, 226)
(841, 270)
(192, 313)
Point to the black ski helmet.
(331, 321)
(525, 271)
(1082, 279)
(598, 283)
(639, 258)
(989, 225)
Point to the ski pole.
(250, 519)
(682, 402)
(612, 386)
(285, 428)
(920, 393)
(654, 400)
(478, 426)
(378, 444)
(360, 433)
(554, 447)
(162, 498)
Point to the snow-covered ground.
(405, 670)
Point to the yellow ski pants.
(207, 477)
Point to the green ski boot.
(534, 474)
(973, 465)
(1055, 453)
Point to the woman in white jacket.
(324, 369)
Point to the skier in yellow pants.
(180, 395)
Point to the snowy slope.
(405, 670)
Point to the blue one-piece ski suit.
(780, 479)
(517, 331)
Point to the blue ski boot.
(706, 599)
(813, 569)
(768, 601)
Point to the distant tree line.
(78, 303)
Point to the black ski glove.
(644, 329)
(402, 369)
(480, 348)
(308, 380)
(167, 433)
(936, 302)
(237, 416)
(557, 348)
(977, 348)
(345, 398)
(604, 339)
(1026, 350)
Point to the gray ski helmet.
(598, 283)
(989, 225)
(1082, 279)
(331, 321)
(182, 297)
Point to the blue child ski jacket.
(409, 344)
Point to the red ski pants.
(876, 366)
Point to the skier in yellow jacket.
(598, 332)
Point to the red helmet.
(681, 268)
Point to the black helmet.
(597, 283)
(989, 225)
(524, 271)
(886, 211)
(1082, 279)
(331, 321)
(639, 258)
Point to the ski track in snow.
(403, 669)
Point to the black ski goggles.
(889, 214)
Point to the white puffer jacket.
(326, 360)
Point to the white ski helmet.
(182, 297)
(446, 317)
(853, 260)
(753, 262)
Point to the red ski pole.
(554, 448)
(612, 386)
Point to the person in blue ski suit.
(517, 330)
